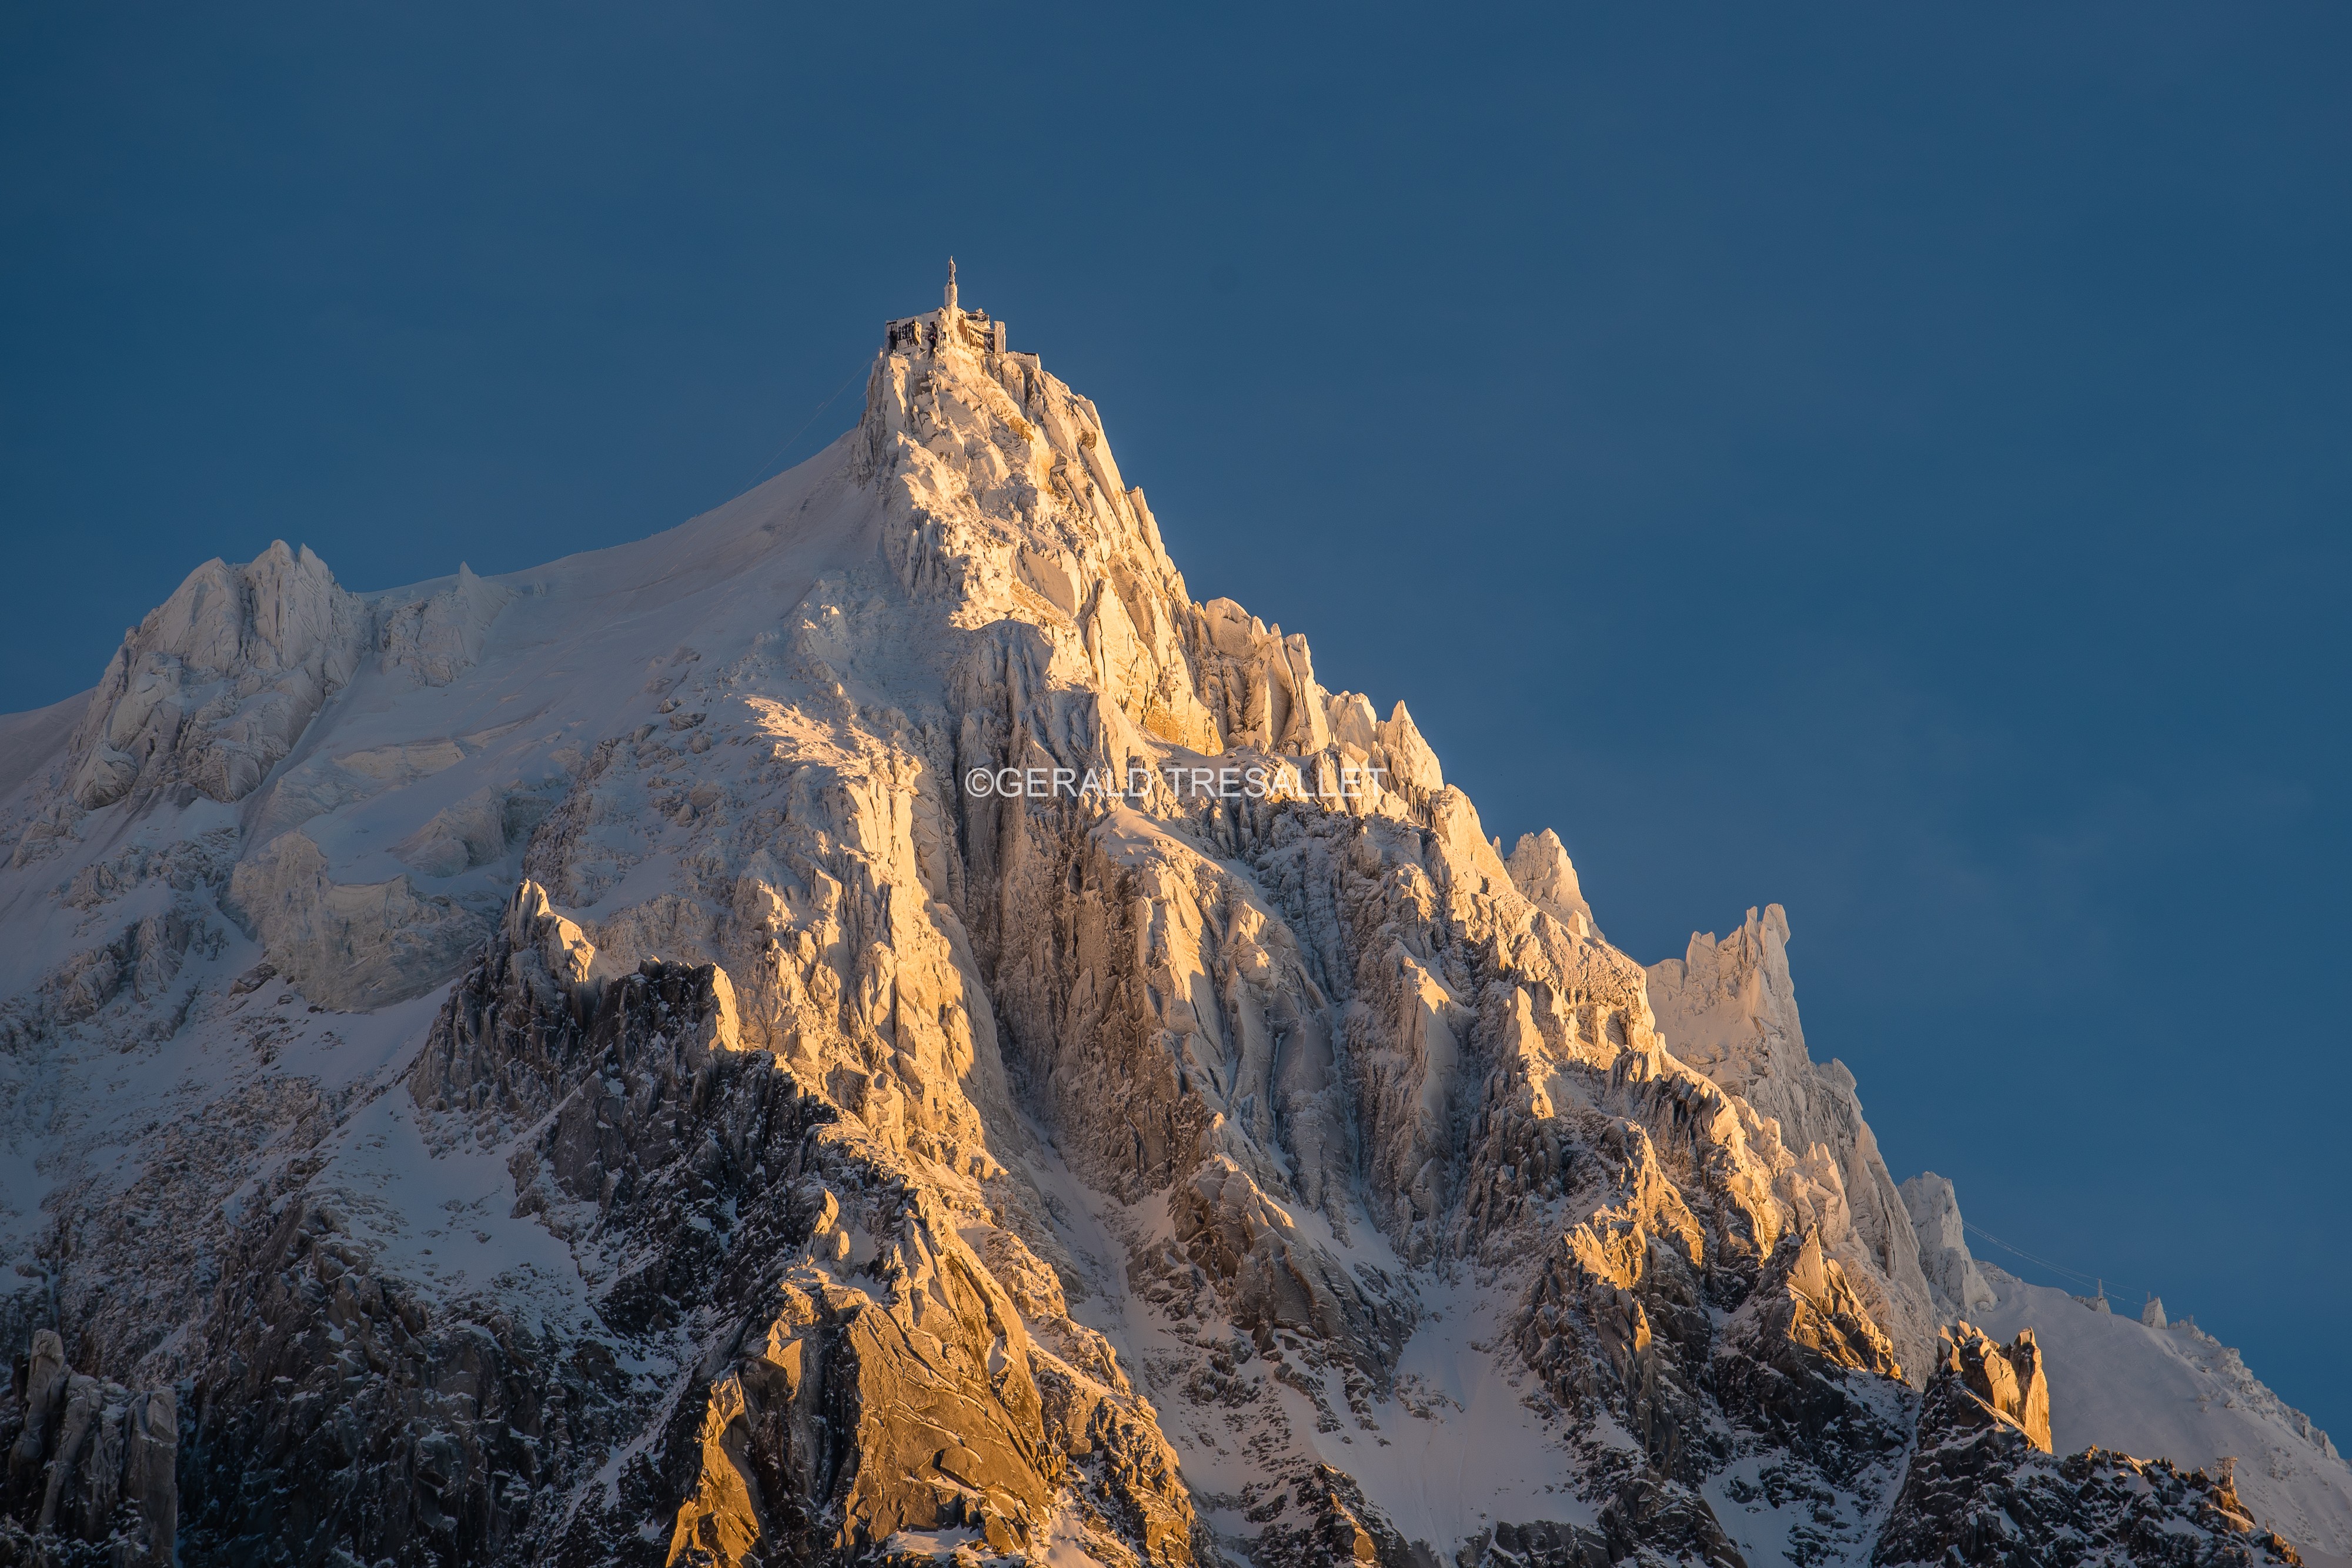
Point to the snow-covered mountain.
(870, 1026)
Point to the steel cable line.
(2096, 1281)
(761, 476)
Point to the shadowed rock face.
(1649, 1520)
(340, 1409)
(1729, 1009)
(215, 688)
(1958, 1286)
(792, 1153)
(1793, 1362)
(93, 1469)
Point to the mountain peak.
(870, 1026)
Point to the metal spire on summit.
(949, 324)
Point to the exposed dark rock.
(1651, 1520)
(92, 1468)
(1802, 1362)
(1334, 1527)
(1983, 1492)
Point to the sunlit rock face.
(873, 1027)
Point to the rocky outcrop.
(2006, 1381)
(93, 1467)
(1541, 869)
(1983, 1490)
(214, 688)
(1272, 1276)
(136, 971)
(1729, 1009)
(348, 945)
(852, 1422)
(342, 1411)
(342, 1407)
(1649, 1520)
(1796, 1361)
(887, 1382)
(436, 639)
(1957, 1284)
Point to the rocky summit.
(872, 1028)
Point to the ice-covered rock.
(215, 688)
(348, 945)
(1959, 1286)
(1729, 1009)
(437, 638)
(1541, 869)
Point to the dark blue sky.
(1889, 460)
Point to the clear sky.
(1888, 460)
